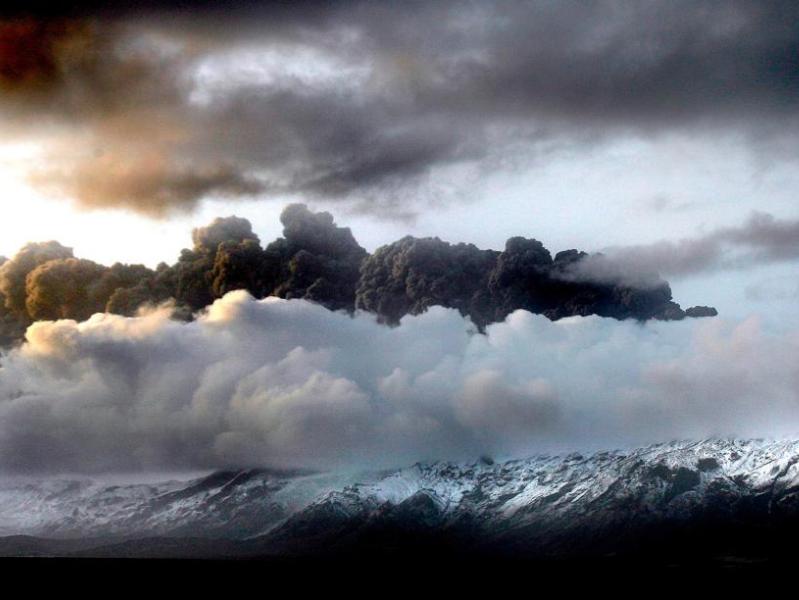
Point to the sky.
(666, 133)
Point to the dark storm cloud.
(368, 100)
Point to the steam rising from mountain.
(319, 261)
(289, 383)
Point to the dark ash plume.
(319, 261)
(14, 273)
(44, 281)
(411, 275)
(60, 289)
(10, 327)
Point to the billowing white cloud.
(288, 383)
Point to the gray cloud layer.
(276, 382)
(761, 239)
(365, 101)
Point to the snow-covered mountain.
(550, 505)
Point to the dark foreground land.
(398, 576)
(708, 545)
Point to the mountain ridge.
(544, 505)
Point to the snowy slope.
(545, 498)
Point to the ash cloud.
(370, 101)
(288, 383)
(319, 261)
(44, 281)
(157, 192)
(762, 239)
(411, 275)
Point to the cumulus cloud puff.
(289, 383)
